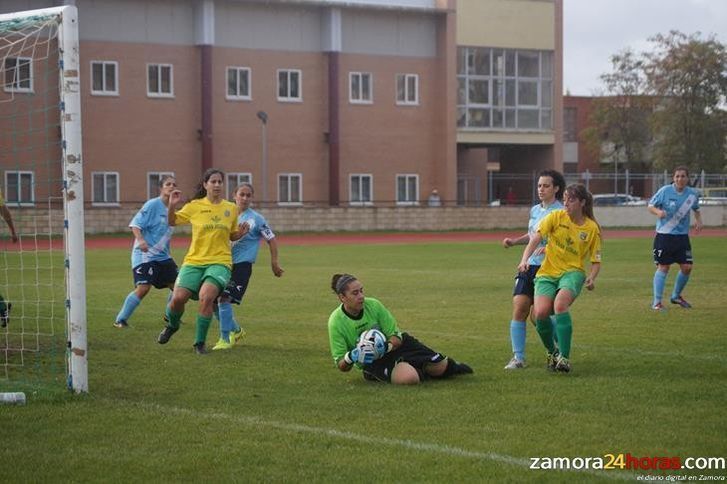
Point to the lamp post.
(263, 117)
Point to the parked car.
(617, 199)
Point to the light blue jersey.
(537, 213)
(677, 206)
(245, 249)
(151, 219)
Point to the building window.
(160, 80)
(289, 85)
(153, 178)
(407, 189)
(20, 187)
(407, 89)
(104, 78)
(234, 180)
(290, 188)
(504, 89)
(570, 124)
(238, 83)
(18, 74)
(360, 88)
(361, 188)
(105, 188)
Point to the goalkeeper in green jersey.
(406, 360)
(5, 307)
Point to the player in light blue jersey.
(551, 186)
(151, 261)
(244, 254)
(672, 205)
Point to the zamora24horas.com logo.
(629, 462)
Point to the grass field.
(276, 409)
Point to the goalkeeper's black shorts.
(411, 351)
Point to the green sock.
(203, 325)
(545, 331)
(564, 328)
(173, 318)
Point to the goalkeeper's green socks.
(203, 325)
(564, 329)
(545, 331)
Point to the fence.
(522, 188)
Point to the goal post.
(42, 164)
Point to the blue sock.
(227, 321)
(131, 302)
(517, 336)
(682, 280)
(659, 283)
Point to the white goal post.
(65, 20)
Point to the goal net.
(42, 273)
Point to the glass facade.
(504, 89)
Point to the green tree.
(619, 128)
(688, 75)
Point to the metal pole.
(265, 162)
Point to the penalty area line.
(448, 450)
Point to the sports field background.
(276, 409)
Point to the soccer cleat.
(223, 345)
(237, 336)
(681, 301)
(166, 335)
(121, 324)
(200, 348)
(462, 369)
(5, 315)
(563, 365)
(515, 364)
(551, 360)
(658, 307)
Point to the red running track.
(338, 238)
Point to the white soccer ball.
(376, 340)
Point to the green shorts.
(549, 286)
(192, 277)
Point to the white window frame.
(12, 87)
(289, 98)
(357, 97)
(239, 71)
(300, 189)
(160, 67)
(415, 201)
(360, 203)
(152, 189)
(104, 91)
(406, 102)
(93, 188)
(237, 178)
(19, 175)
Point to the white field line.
(253, 421)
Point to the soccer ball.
(375, 339)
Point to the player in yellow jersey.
(5, 307)
(573, 236)
(207, 265)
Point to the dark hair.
(581, 193)
(199, 190)
(558, 181)
(165, 178)
(681, 168)
(339, 282)
(245, 184)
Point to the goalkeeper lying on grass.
(397, 357)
